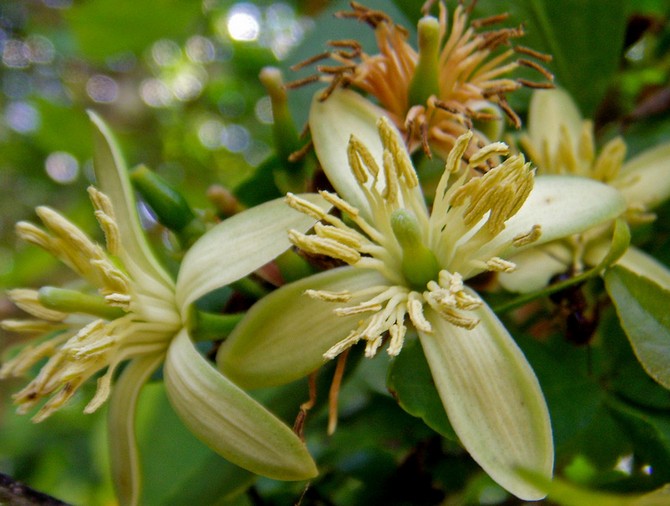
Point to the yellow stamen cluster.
(135, 320)
(397, 221)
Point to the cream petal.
(635, 260)
(331, 123)
(562, 206)
(549, 109)
(645, 179)
(112, 179)
(283, 336)
(492, 398)
(238, 246)
(124, 458)
(535, 267)
(228, 420)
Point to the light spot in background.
(256, 153)
(212, 134)
(263, 110)
(200, 49)
(187, 86)
(102, 89)
(155, 93)
(41, 49)
(165, 52)
(15, 54)
(62, 167)
(285, 29)
(244, 22)
(625, 464)
(22, 117)
(648, 470)
(237, 138)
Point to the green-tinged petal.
(332, 123)
(284, 336)
(562, 206)
(642, 307)
(645, 179)
(568, 494)
(112, 179)
(549, 109)
(492, 398)
(239, 246)
(535, 267)
(634, 260)
(124, 459)
(230, 422)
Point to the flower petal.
(645, 179)
(549, 109)
(112, 179)
(124, 459)
(636, 261)
(332, 123)
(562, 206)
(492, 398)
(239, 246)
(535, 267)
(283, 336)
(228, 420)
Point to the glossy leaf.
(642, 306)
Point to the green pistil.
(419, 265)
(71, 301)
(425, 81)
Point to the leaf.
(585, 38)
(106, 28)
(412, 385)
(642, 306)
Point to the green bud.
(426, 81)
(72, 301)
(419, 265)
(168, 204)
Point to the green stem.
(205, 326)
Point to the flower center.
(419, 264)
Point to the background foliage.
(177, 80)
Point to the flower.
(139, 316)
(559, 141)
(405, 272)
(434, 95)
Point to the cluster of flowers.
(404, 257)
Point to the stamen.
(304, 206)
(326, 296)
(321, 246)
(28, 300)
(531, 236)
(498, 264)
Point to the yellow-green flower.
(457, 77)
(405, 274)
(559, 141)
(135, 314)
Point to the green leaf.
(412, 385)
(585, 38)
(642, 306)
(106, 28)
